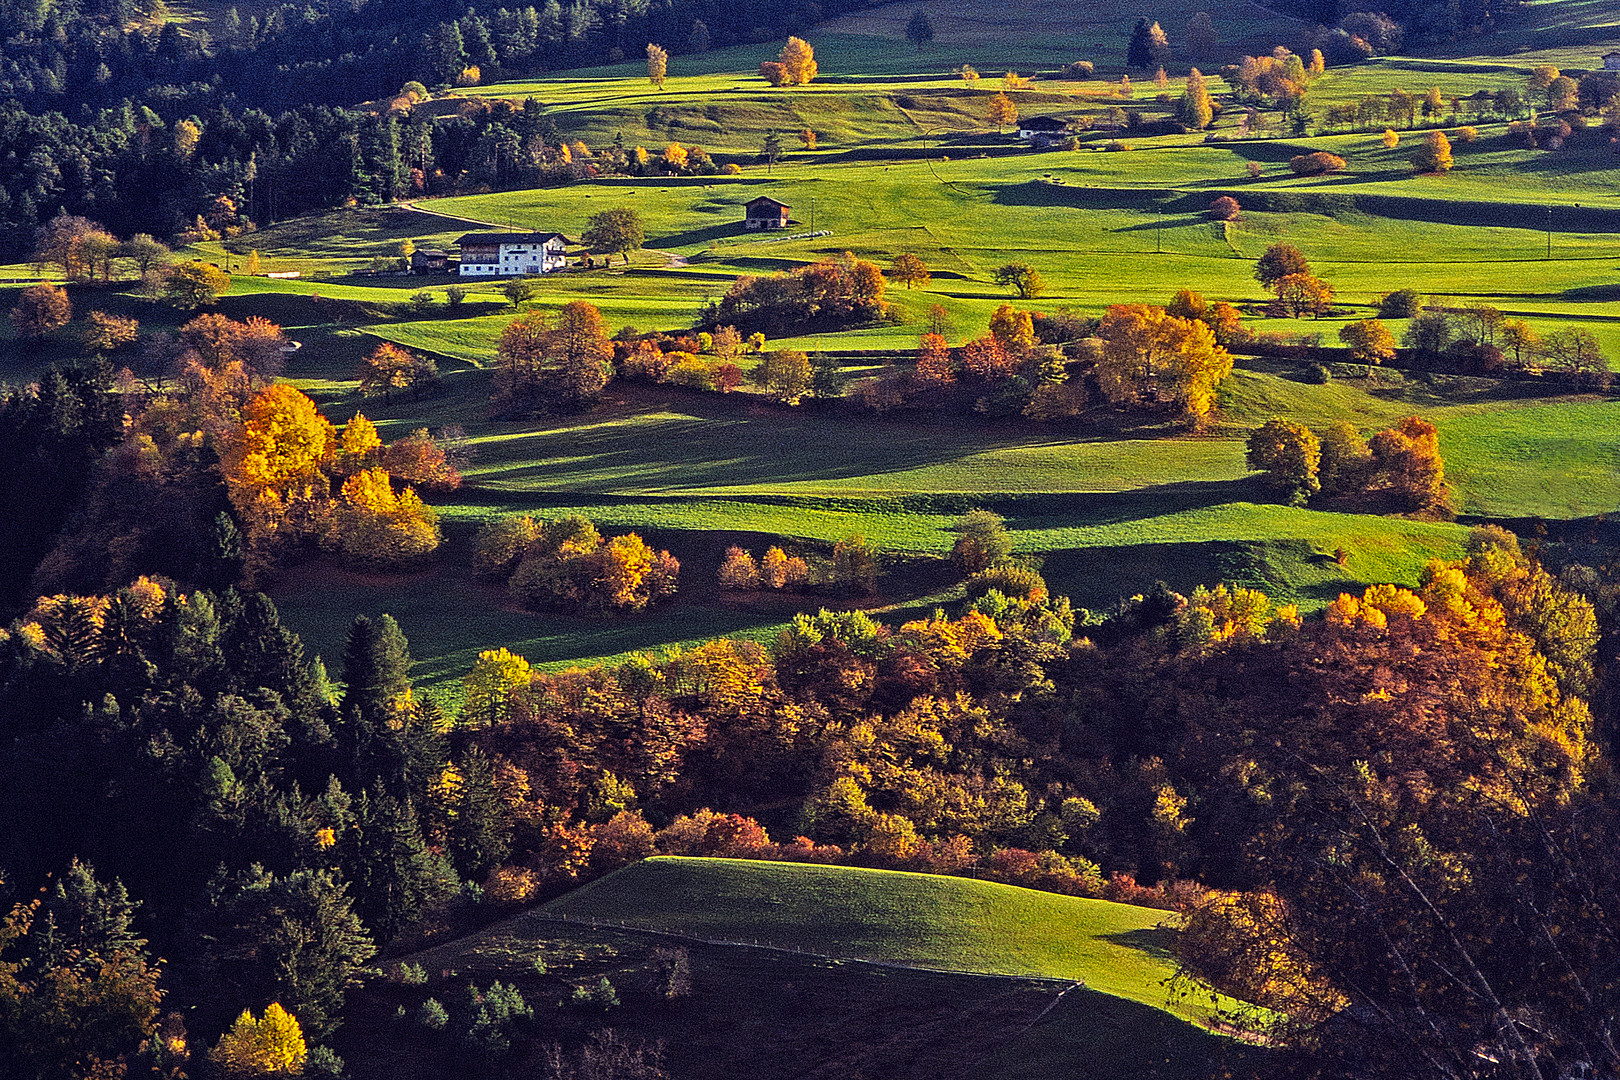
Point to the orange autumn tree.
(1152, 358)
(376, 527)
(273, 461)
(280, 460)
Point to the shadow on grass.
(1094, 1036)
(1154, 940)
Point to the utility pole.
(812, 213)
(1549, 232)
(1159, 222)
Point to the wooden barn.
(765, 213)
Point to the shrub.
(738, 570)
(1315, 164)
(432, 1015)
(1079, 69)
(1224, 208)
(982, 541)
(499, 545)
(1011, 580)
(601, 995)
(571, 567)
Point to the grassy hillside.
(951, 923)
(769, 1013)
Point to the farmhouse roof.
(431, 253)
(479, 239)
(1042, 123)
(766, 200)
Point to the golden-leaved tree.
(798, 61)
(268, 1045)
(281, 459)
(374, 526)
(273, 460)
(1152, 358)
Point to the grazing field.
(906, 161)
(770, 1012)
(954, 924)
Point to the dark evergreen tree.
(394, 875)
(1139, 53)
(84, 920)
(293, 939)
(480, 834)
(920, 30)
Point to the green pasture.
(765, 1012)
(956, 924)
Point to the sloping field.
(950, 923)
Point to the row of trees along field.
(1388, 827)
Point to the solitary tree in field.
(194, 284)
(1024, 279)
(1278, 261)
(698, 40)
(657, 65)
(1369, 340)
(1290, 456)
(41, 309)
(1305, 294)
(1435, 157)
(1003, 111)
(618, 232)
(1196, 109)
(920, 30)
(969, 73)
(146, 253)
(909, 270)
(799, 61)
(581, 351)
(771, 150)
(1392, 138)
(785, 374)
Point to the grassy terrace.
(906, 162)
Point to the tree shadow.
(1153, 940)
(699, 236)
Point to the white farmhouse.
(511, 254)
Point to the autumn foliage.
(567, 565)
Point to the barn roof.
(766, 200)
(1042, 123)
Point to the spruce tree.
(1139, 54)
(480, 835)
(393, 873)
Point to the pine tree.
(480, 835)
(393, 873)
(1139, 53)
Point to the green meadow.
(906, 162)
(955, 924)
(865, 972)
